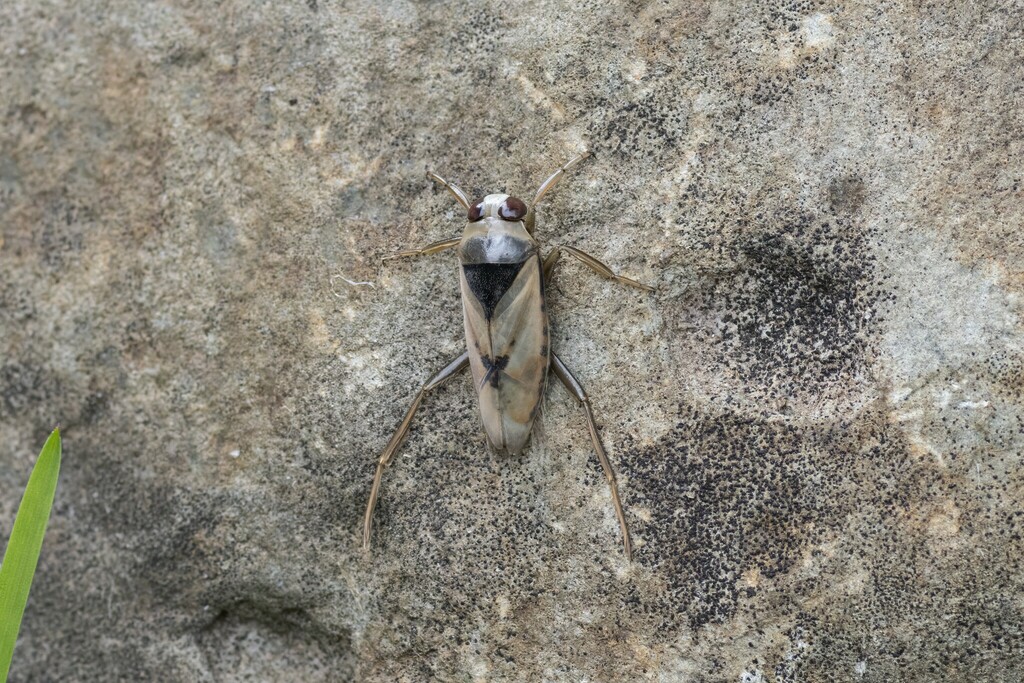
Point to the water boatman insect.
(502, 277)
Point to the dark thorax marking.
(490, 281)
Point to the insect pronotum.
(502, 278)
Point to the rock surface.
(817, 419)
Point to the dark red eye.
(512, 209)
(475, 212)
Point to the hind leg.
(437, 380)
(576, 389)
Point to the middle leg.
(592, 263)
(431, 248)
(549, 263)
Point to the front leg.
(590, 262)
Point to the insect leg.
(556, 176)
(431, 248)
(549, 263)
(454, 189)
(437, 380)
(576, 389)
(598, 267)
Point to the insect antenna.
(556, 176)
(459, 194)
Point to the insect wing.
(507, 339)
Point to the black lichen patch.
(794, 318)
(736, 501)
(652, 127)
(477, 36)
(768, 84)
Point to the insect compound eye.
(475, 212)
(512, 209)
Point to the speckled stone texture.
(817, 419)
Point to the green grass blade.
(23, 547)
